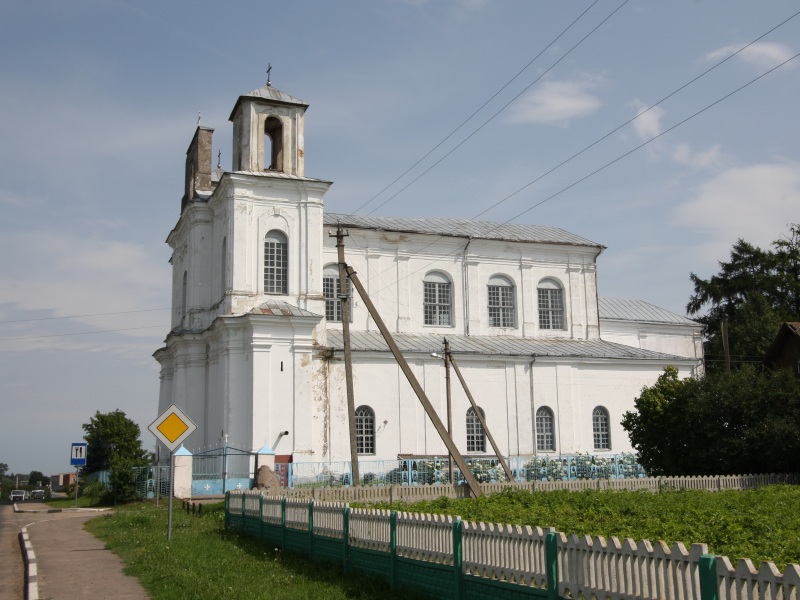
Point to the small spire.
(269, 71)
(219, 158)
(198, 118)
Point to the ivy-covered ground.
(759, 524)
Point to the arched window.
(276, 263)
(273, 144)
(330, 289)
(551, 305)
(365, 430)
(600, 429)
(476, 436)
(438, 299)
(545, 430)
(501, 302)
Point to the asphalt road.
(72, 563)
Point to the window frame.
(434, 306)
(476, 434)
(365, 430)
(333, 304)
(276, 263)
(551, 317)
(542, 435)
(504, 309)
(601, 429)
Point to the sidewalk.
(68, 562)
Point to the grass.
(204, 561)
(757, 524)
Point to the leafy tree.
(112, 436)
(37, 479)
(756, 291)
(746, 421)
(3, 469)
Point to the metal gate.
(220, 470)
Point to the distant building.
(255, 348)
(785, 350)
(61, 480)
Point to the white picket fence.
(406, 493)
(587, 566)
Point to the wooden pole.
(348, 361)
(449, 406)
(474, 487)
(482, 420)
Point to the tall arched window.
(551, 305)
(545, 430)
(273, 144)
(476, 436)
(365, 430)
(600, 429)
(501, 302)
(330, 289)
(276, 263)
(437, 299)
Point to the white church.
(255, 352)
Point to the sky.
(567, 114)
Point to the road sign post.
(171, 428)
(77, 459)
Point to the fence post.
(458, 556)
(708, 578)
(227, 511)
(393, 549)
(551, 565)
(345, 538)
(260, 515)
(311, 529)
(283, 523)
(244, 516)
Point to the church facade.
(255, 351)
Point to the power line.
(36, 337)
(124, 312)
(462, 142)
(596, 171)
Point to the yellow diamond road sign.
(172, 427)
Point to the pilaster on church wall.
(577, 302)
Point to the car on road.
(37, 495)
(17, 495)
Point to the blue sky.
(99, 101)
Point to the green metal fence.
(289, 524)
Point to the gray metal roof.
(424, 343)
(486, 230)
(279, 308)
(622, 309)
(267, 92)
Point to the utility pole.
(449, 406)
(474, 486)
(344, 298)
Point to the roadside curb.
(31, 570)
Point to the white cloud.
(683, 154)
(648, 121)
(556, 102)
(755, 203)
(763, 55)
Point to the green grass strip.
(204, 561)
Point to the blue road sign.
(78, 456)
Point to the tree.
(3, 469)
(112, 436)
(756, 291)
(37, 479)
(746, 421)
